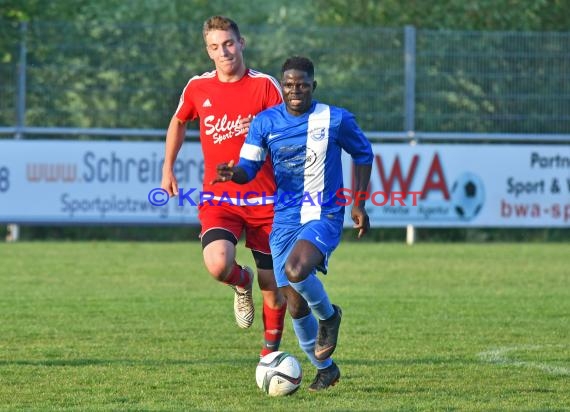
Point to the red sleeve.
(274, 96)
(186, 110)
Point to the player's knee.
(218, 269)
(295, 271)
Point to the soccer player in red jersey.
(225, 100)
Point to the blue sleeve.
(353, 140)
(254, 151)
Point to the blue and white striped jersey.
(306, 155)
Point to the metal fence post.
(409, 79)
(410, 100)
(21, 87)
(13, 229)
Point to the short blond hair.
(220, 23)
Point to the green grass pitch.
(141, 326)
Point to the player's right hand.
(224, 172)
(169, 183)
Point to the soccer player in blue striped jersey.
(304, 139)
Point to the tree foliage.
(117, 63)
(496, 15)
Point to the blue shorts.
(325, 234)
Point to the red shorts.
(256, 220)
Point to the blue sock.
(306, 331)
(314, 293)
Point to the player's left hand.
(361, 220)
(225, 171)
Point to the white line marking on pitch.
(499, 355)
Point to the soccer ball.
(468, 195)
(278, 374)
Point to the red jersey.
(220, 106)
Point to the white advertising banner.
(443, 185)
(93, 182)
(461, 185)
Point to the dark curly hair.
(299, 63)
